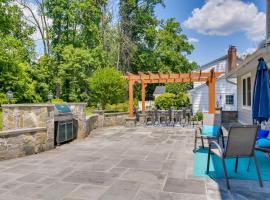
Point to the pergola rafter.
(149, 78)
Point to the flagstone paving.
(119, 164)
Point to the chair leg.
(208, 160)
(223, 143)
(225, 173)
(202, 142)
(258, 171)
(195, 143)
(236, 165)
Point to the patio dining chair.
(149, 118)
(163, 117)
(241, 143)
(210, 130)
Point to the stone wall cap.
(16, 132)
(27, 105)
(116, 113)
(81, 103)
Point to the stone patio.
(119, 164)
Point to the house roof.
(160, 90)
(205, 66)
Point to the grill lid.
(62, 108)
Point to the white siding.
(219, 67)
(199, 96)
(244, 114)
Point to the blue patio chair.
(210, 130)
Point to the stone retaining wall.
(22, 142)
(114, 119)
(109, 119)
(91, 123)
(29, 128)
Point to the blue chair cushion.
(211, 131)
(263, 142)
(262, 134)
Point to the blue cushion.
(211, 131)
(263, 142)
(262, 134)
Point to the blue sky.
(235, 27)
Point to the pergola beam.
(149, 78)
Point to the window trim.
(246, 76)
(233, 99)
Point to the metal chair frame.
(229, 152)
(199, 133)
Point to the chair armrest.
(220, 149)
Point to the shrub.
(120, 107)
(169, 100)
(107, 86)
(181, 100)
(57, 101)
(199, 116)
(165, 101)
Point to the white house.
(226, 91)
(245, 74)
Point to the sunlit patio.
(142, 163)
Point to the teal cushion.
(211, 131)
(263, 142)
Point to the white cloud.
(224, 17)
(193, 40)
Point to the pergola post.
(130, 98)
(212, 92)
(143, 96)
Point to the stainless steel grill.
(64, 126)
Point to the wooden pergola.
(148, 78)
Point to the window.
(246, 82)
(229, 100)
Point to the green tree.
(137, 31)
(171, 49)
(76, 26)
(77, 66)
(43, 74)
(107, 85)
(16, 49)
(75, 22)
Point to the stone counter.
(22, 142)
(20, 117)
(78, 110)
